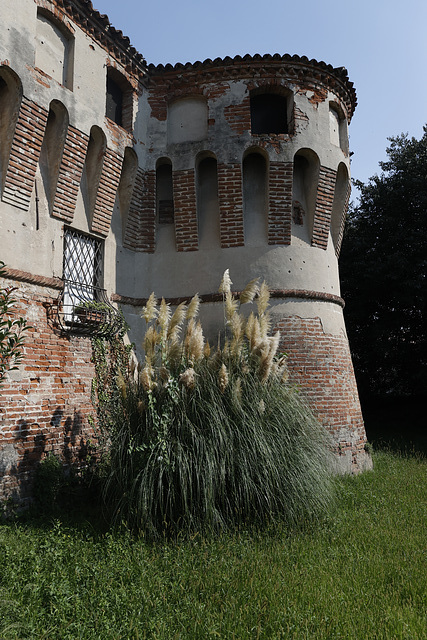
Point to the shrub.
(204, 439)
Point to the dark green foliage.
(11, 331)
(383, 274)
(48, 481)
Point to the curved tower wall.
(259, 204)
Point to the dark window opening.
(164, 193)
(114, 104)
(269, 113)
(166, 212)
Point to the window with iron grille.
(82, 271)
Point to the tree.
(383, 273)
(11, 331)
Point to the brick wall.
(230, 205)
(70, 173)
(106, 193)
(280, 202)
(184, 197)
(140, 232)
(24, 154)
(238, 116)
(320, 364)
(343, 219)
(324, 202)
(45, 404)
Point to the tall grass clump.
(204, 439)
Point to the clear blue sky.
(382, 43)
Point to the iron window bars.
(83, 305)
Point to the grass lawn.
(360, 574)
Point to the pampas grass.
(206, 439)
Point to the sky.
(382, 43)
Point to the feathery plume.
(149, 343)
(188, 378)
(225, 286)
(231, 306)
(177, 320)
(250, 291)
(263, 298)
(149, 312)
(146, 379)
(193, 307)
(223, 378)
(173, 351)
(207, 350)
(265, 324)
(196, 343)
(164, 316)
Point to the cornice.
(295, 69)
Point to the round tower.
(245, 166)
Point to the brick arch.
(306, 167)
(10, 102)
(340, 205)
(208, 217)
(52, 149)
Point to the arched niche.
(52, 148)
(271, 109)
(338, 127)
(119, 99)
(126, 184)
(255, 197)
(187, 120)
(54, 48)
(339, 206)
(165, 227)
(207, 201)
(92, 170)
(10, 101)
(304, 192)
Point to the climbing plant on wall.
(12, 330)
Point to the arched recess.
(92, 170)
(119, 99)
(271, 110)
(304, 192)
(187, 119)
(52, 148)
(338, 127)
(10, 101)
(255, 197)
(339, 206)
(165, 228)
(126, 184)
(54, 48)
(207, 201)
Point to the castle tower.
(247, 168)
(119, 178)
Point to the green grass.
(360, 574)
